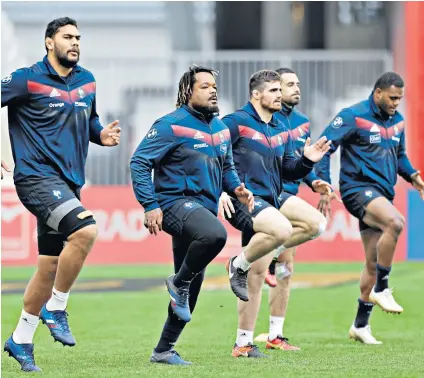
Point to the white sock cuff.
(30, 319)
(59, 295)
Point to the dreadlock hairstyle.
(185, 87)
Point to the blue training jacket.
(372, 149)
(264, 154)
(191, 157)
(298, 125)
(51, 121)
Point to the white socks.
(275, 327)
(244, 337)
(58, 301)
(241, 262)
(25, 330)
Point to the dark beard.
(64, 61)
(208, 111)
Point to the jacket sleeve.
(232, 124)
(95, 126)
(295, 168)
(405, 168)
(14, 88)
(340, 128)
(156, 144)
(230, 179)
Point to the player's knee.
(216, 237)
(396, 224)
(281, 234)
(84, 237)
(371, 267)
(318, 226)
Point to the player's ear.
(49, 43)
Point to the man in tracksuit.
(307, 221)
(52, 119)
(263, 156)
(191, 154)
(372, 139)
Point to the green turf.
(117, 331)
(136, 271)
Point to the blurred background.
(139, 50)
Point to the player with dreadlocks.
(190, 151)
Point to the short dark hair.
(258, 79)
(388, 79)
(284, 70)
(185, 86)
(56, 24)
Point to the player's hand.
(245, 196)
(321, 187)
(5, 167)
(418, 183)
(153, 220)
(315, 152)
(110, 135)
(324, 205)
(225, 206)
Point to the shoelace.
(182, 297)
(28, 353)
(61, 319)
(242, 277)
(283, 339)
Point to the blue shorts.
(356, 203)
(50, 199)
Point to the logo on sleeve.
(338, 121)
(6, 80)
(152, 134)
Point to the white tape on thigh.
(281, 271)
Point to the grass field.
(116, 332)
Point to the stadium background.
(138, 51)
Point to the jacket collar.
(376, 110)
(49, 68)
(286, 110)
(249, 108)
(199, 115)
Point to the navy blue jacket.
(190, 157)
(51, 121)
(372, 149)
(263, 153)
(298, 125)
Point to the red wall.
(124, 240)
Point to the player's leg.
(20, 345)
(269, 229)
(382, 215)
(360, 330)
(208, 237)
(308, 223)
(173, 327)
(248, 311)
(278, 302)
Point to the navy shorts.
(242, 220)
(357, 202)
(50, 199)
(283, 197)
(175, 216)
